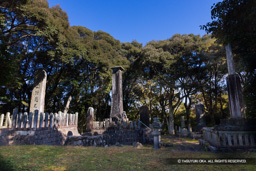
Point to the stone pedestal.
(117, 94)
(156, 135)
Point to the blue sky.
(141, 20)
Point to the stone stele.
(38, 92)
(117, 94)
(144, 115)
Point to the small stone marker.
(89, 119)
(25, 120)
(51, 120)
(41, 120)
(2, 120)
(55, 119)
(38, 92)
(35, 119)
(30, 119)
(14, 118)
(46, 120)
(8, 122)
(76, 118)
(144, 115)
(19, 120)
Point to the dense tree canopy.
(169, 76)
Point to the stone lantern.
(156, 132)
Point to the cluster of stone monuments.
(37, 127)
(236, 132)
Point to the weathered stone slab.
(76, 123)
(51, 120)
(19, 120)
(2, 120)
(235, 96)
(35, 119)
(30, 120)
(41, 120)
(25, 120)
(144, 115)
(38, 92)
(117, 94)
(46, 120)
(200, 115)
(14, 118)
(89, 119)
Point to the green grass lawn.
(40, 157)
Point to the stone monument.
(235, 96)
(144, 115)
(38, 92)
(200, 117)
(236, 132)
(89, 119)
(117, 94)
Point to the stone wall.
(41, 136)
(112, 137)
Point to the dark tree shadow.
(5, 165)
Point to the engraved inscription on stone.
(38, 92)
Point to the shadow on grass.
(5, 165)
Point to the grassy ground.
(30, 157)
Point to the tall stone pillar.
(235, 96)
(117, 94)
(38, 92)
